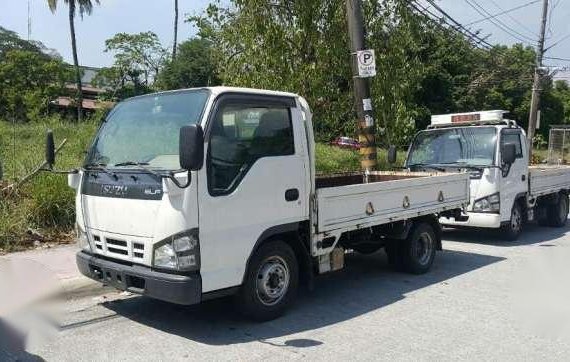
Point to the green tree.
(83, 7)
(30, 80)
(193, 67)
(139, 56)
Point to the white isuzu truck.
(195, 194)
(505, 191)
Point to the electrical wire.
(522, 25)
(513, 33)
(455, 24)
(503, 12)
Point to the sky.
(133, 16)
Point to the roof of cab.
(222, 89)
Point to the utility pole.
(363, 102)
(536, 86)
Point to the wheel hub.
(424, 248)
(516, 219)
(272, 280)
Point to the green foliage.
(331, 159)
(46, 202)
(423, 69)
(30, 81)
(193, 67)
(85, 7)
(139, 58)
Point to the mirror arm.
(178, 184)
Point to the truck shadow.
(532, 234)
(365, 285)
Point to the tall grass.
(330, 159)
(45, 203)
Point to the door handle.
(292, 195)
(523, 178)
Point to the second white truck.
(196, 194)
(505, 191)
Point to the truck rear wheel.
(271, 282)
(513, 228)
(417, 252)
(558, 212)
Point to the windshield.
(474, 146)
(146, 130)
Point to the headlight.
(178, 252)
(490, 203)
(82, 238)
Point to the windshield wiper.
(425, 165)
(465, 165)
(169, 175)
(141, 165)
(99, 166)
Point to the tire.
(417, 252)
(366, 249)
(513, 229)
(270, 283)
(558, 212)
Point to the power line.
(458, 25)
(502, 13)
(557, 58)
(522, 25)
(515, 34)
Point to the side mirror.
(392, 155)
(508, 153)
(191, 147)
(50, 150)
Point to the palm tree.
(175, 29)
(84, 7)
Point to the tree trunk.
(79, 93)
(175, 29)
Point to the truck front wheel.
(513, 228)
(271, 282)
(418, 250)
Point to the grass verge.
(44, 205)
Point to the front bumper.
(474, 219)
(173, 288)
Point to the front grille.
(118, 247)
(118, 251)
(116, 242)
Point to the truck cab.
(494, 151)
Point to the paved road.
(484, 299)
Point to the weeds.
(45, 202)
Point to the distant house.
(91, 95)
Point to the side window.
(239, 136)
(514, 138)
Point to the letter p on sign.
(366, 63)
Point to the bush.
(51, 203)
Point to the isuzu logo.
(114, 190)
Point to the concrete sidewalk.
(31, 275)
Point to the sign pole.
(363, 66)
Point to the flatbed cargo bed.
(346, 203)
(545, 179)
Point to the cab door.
(514, 180)
(253, 181)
